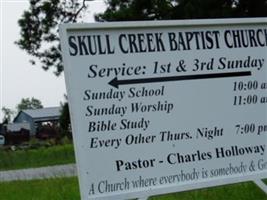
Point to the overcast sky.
(19, 79)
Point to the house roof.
(43, 113)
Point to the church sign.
(166, 106)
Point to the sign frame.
(65, 28)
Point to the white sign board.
(159, 107)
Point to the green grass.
(50, 189)
(56, 155)
(241, 191)
(67, 189)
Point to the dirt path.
(39, 173)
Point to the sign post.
(261, 185)
(166, 106)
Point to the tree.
(64, 120)
(39, 24)
(39, 29)
(181, 9)
(27, 103)
(8, 113)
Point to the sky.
(18, 78)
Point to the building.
(38, 117)
(16, 127)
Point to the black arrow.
(116, 83)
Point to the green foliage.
(136, 10)
(181, 9)
(20, 159)
(241, 191)
(250, 8)
(54, 189)
(27, 103)
(64, 120)
(8, 113)
(67, 189)
(39, 29)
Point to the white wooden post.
(261, 185)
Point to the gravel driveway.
(39, 173)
